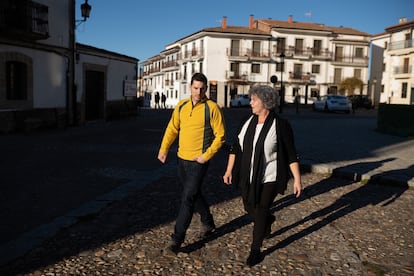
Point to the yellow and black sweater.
(200, 129)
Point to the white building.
(48, 78)
(392, 74)
(316, 59)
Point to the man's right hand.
(162, 157)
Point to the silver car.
(333, 103)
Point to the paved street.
(96, 200)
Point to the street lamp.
(71, 98)
(282, 91)
(85, 11)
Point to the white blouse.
(270, 150)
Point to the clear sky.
(142, 29)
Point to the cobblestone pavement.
(338, 227)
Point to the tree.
(350, 84)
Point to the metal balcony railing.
(246, 53)
(403, 69)
(402, 44)
(171, 63)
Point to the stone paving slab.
(373, 156)
(338, 227)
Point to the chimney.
(251, 22)
(224, 22)
(402, 20)
(290, 19)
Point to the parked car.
(360, 101)
(333, 103)
(240, 100)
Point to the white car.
(333, 103)
(240, 100)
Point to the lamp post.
(72, 93)
(85, 11)
(282, 90)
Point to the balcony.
(26, 20)
(348, 60)
(402, 44)
(245, 54)
(301, 78)
(307, 52)
(169, 65)
(237, 77)
(169, 82)
(402, 72)
(192, 54)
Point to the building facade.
(392, 76)
(308, 59)
(48, 78)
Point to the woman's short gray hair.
(266, 94)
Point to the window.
(234, 67)
(297, 71)
(281, 45)
(200, 67)
(299, 46)
(359, 52)
(404, 90)
(16, 80)
(314, 92)
(280, 66)
(357, 73)
(383, 67)
(316, 68)
(406, 65)
(256, 49)
(235, 48)
(317, 46)
(339, 53)
(255, 68)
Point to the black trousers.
(261, 213)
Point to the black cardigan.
(286, 154)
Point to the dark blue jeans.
(191, 175)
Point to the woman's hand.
(227, 178)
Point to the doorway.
(94, 95)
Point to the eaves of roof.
(310, 26)
(400, 26)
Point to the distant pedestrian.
(163, 99)
(199, 124)
(157, 100)
(260, 163)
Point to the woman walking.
(260, 163)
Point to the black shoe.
(172, 249)
(206, 230)
(270, 221)
(254, 258)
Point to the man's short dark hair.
(199, 77)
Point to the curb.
(351, 175)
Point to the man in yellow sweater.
(199, 124)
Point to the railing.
(307, 52)
(402, 69)
(169, 82)
(198, 52)
(171, 63)
(351, 60)
(24, 18)
(246, 53)
(402, 44)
